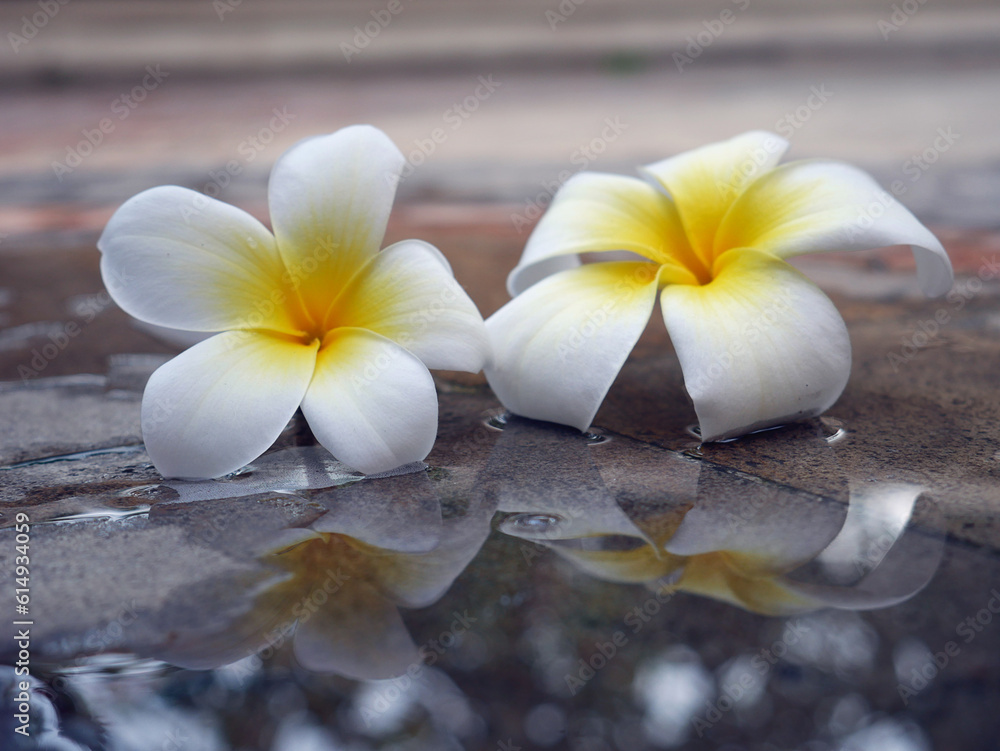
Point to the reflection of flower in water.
(342, 594)
(784, 556)
(342, 582)
(698, 528)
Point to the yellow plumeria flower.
(312, 315)
(709, 231)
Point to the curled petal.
(759, 346)
(330, 199)
(222, 403)
(558, 347)
(593, 213)
(371, 402)
(408, 294)
(173, 257)
(813, 206)
(705, 181)
(903, 561)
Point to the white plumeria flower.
(312, 315)
(709, 230)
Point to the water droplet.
(251, 242)
(694, 430)
(496, 420)
(77, 456)
(833, 429)
(527, 524)
(596, 436)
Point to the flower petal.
(407, 293)
(330, 199)
(777, 533)
(813, 206)
(371, 403)
(175, 258)
(713, 575)
(356, 633)
(177, 338)
(558, 347)
(705, 181)
(893, 557)
(595, 212)
(418, 581)
(641, 565)
(759, 346)
(401, 515)
(222, 403)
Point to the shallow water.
(831, 584)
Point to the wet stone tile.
(528, 575)
(77, 412)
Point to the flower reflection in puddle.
(633, 513)
(295, 551)
(718, 533)
(341, 582)
(339, 564)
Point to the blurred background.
(494, 103)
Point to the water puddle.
(296, 590)
(102, 515)
(77, 456)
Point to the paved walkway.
(522, 97)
